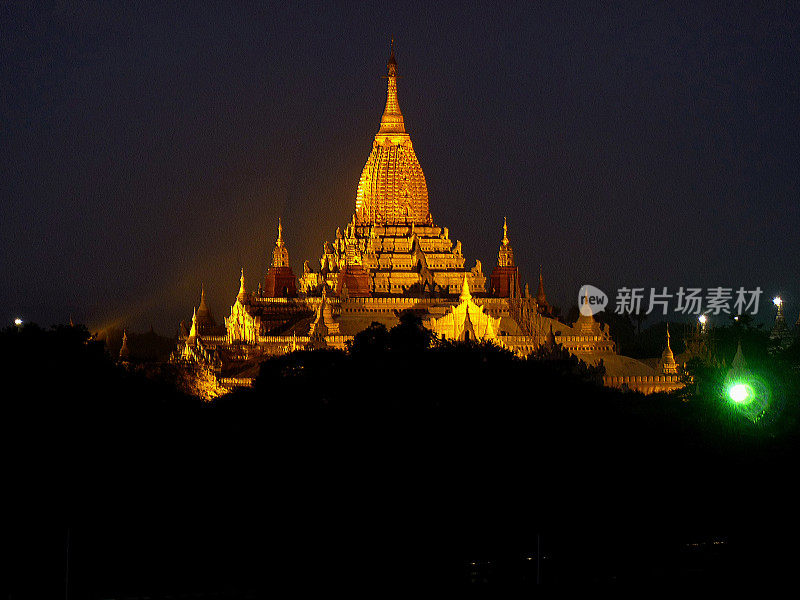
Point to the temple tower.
(280, 281)
(505, 275)
(204, 320)
(392, 247)
(392, 188)
(667, 365)
(543, 305)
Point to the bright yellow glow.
(392, 188)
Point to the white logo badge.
(591, 300)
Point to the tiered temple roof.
(391, 257)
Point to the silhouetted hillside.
(393, 465)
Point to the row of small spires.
(281, 252)
(203, 310)
(280, 246)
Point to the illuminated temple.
(390, 258)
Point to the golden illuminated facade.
(392, 246)
(391, 257)
(467, 321)
(392, 188)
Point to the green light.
(748, 394)
(740, 393)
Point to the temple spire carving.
(505, 257)
(193, 331)
(668, 364)
(392, 188)
(280, 255)
(541, 298)
(242, 295)
(465, 293)
(392, 119)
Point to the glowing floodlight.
(777, 301)
(18, 322)
(703, 319)
(740, 393)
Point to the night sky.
(146, 149)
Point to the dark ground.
(380, 470)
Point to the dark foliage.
(397, 464)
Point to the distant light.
(736, 318)
(777, 301)
(702, 319)
(740, 393)
(17, 321)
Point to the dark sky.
(146, 149)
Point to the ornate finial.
(193, 332)
(242, 291)
(280, 255)
(668, 364)
(505, 257)
(465, 293)
(203, 309)
(541, 297)
(392, 119)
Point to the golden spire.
(392, 188)
(242, 291)
(193, 332)
(668, 364)
(540, 295)
(465, 293)
(668, 350)
(280, 255)
(505, 257)
(203, 310)
(392, 119)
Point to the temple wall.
(646, 384)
